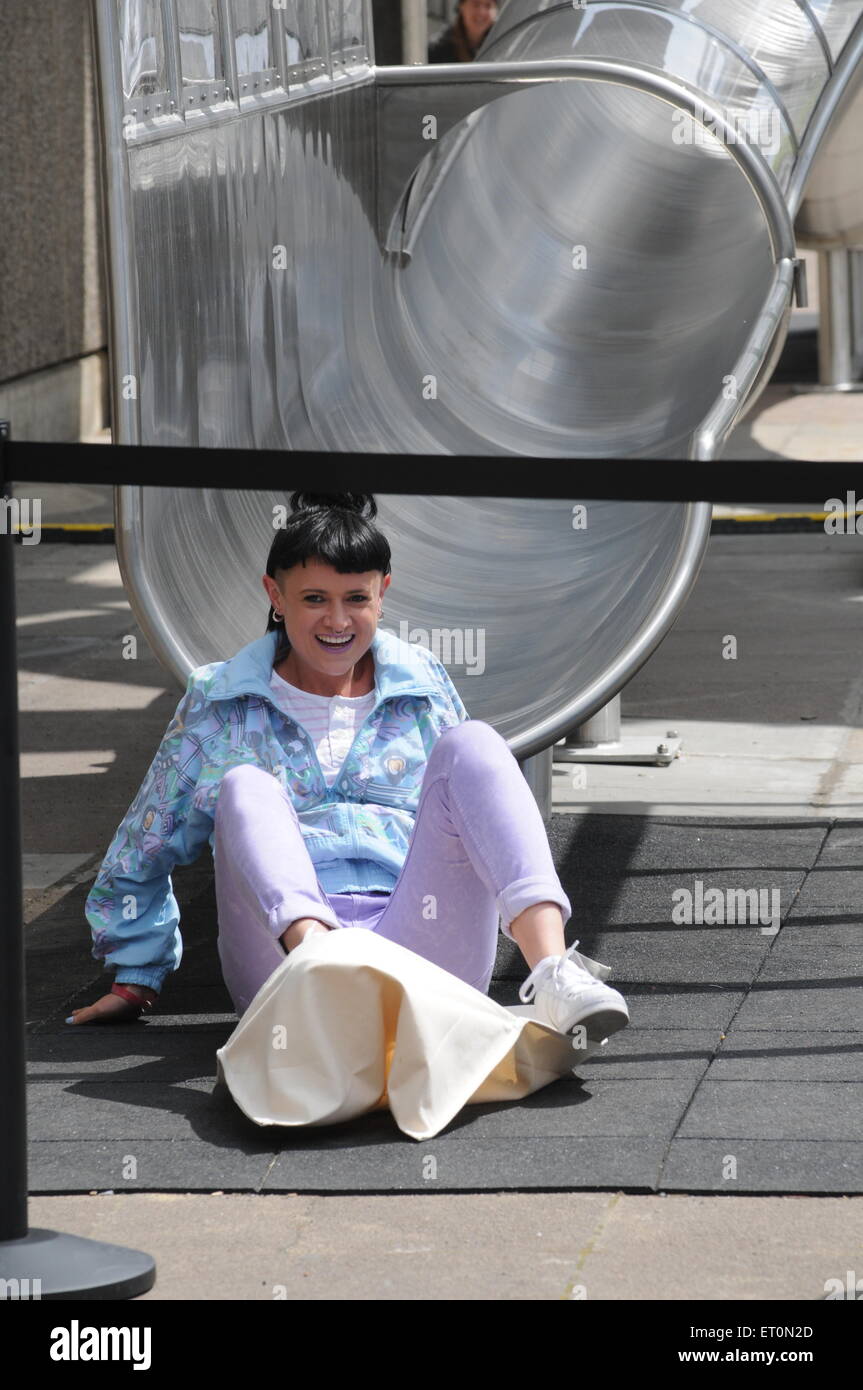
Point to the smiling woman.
(341, 784)
(328, 617)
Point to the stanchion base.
(51, 1264)
(632, 748)
(826, 389)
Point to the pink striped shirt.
(331, 721)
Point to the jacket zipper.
(357, 735)
(314, 752)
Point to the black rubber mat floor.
(741, 1070)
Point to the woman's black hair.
(332, 528)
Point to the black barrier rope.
(430, 475)
(34, 1263)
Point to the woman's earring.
(277, 617)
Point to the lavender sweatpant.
(478, 849)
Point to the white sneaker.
(566, 995)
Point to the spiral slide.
(581, 245)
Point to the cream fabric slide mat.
(352, 1022)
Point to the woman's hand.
(112, 1008)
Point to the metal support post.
(599, 740)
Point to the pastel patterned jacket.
(357, 831)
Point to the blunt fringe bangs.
(337, 529)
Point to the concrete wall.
(52, 311)
(53, 329)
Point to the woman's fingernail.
(70, 1019)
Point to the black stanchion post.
(33, 1263)
(13, 1135)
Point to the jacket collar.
(400, 669)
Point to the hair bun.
(347, 501)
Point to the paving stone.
(374, 1129)
(200, 969)
(191, 1165)
(173, 1024)
(830, 893)
(793, 963)
(57, 973)
(645, 900)
(593, 844)
(763, 1165)
(100, 1109)
(601, 1106)
(827, 1111)
(689, 955)
(478, 1165)
(843, 847)
(776, 1056)
(794, 1006)
(41, 871)
(147, 1055)
(636, 1054)
(678, 1006)
(685, 1007)
(831, 933)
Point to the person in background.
(459, 43)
